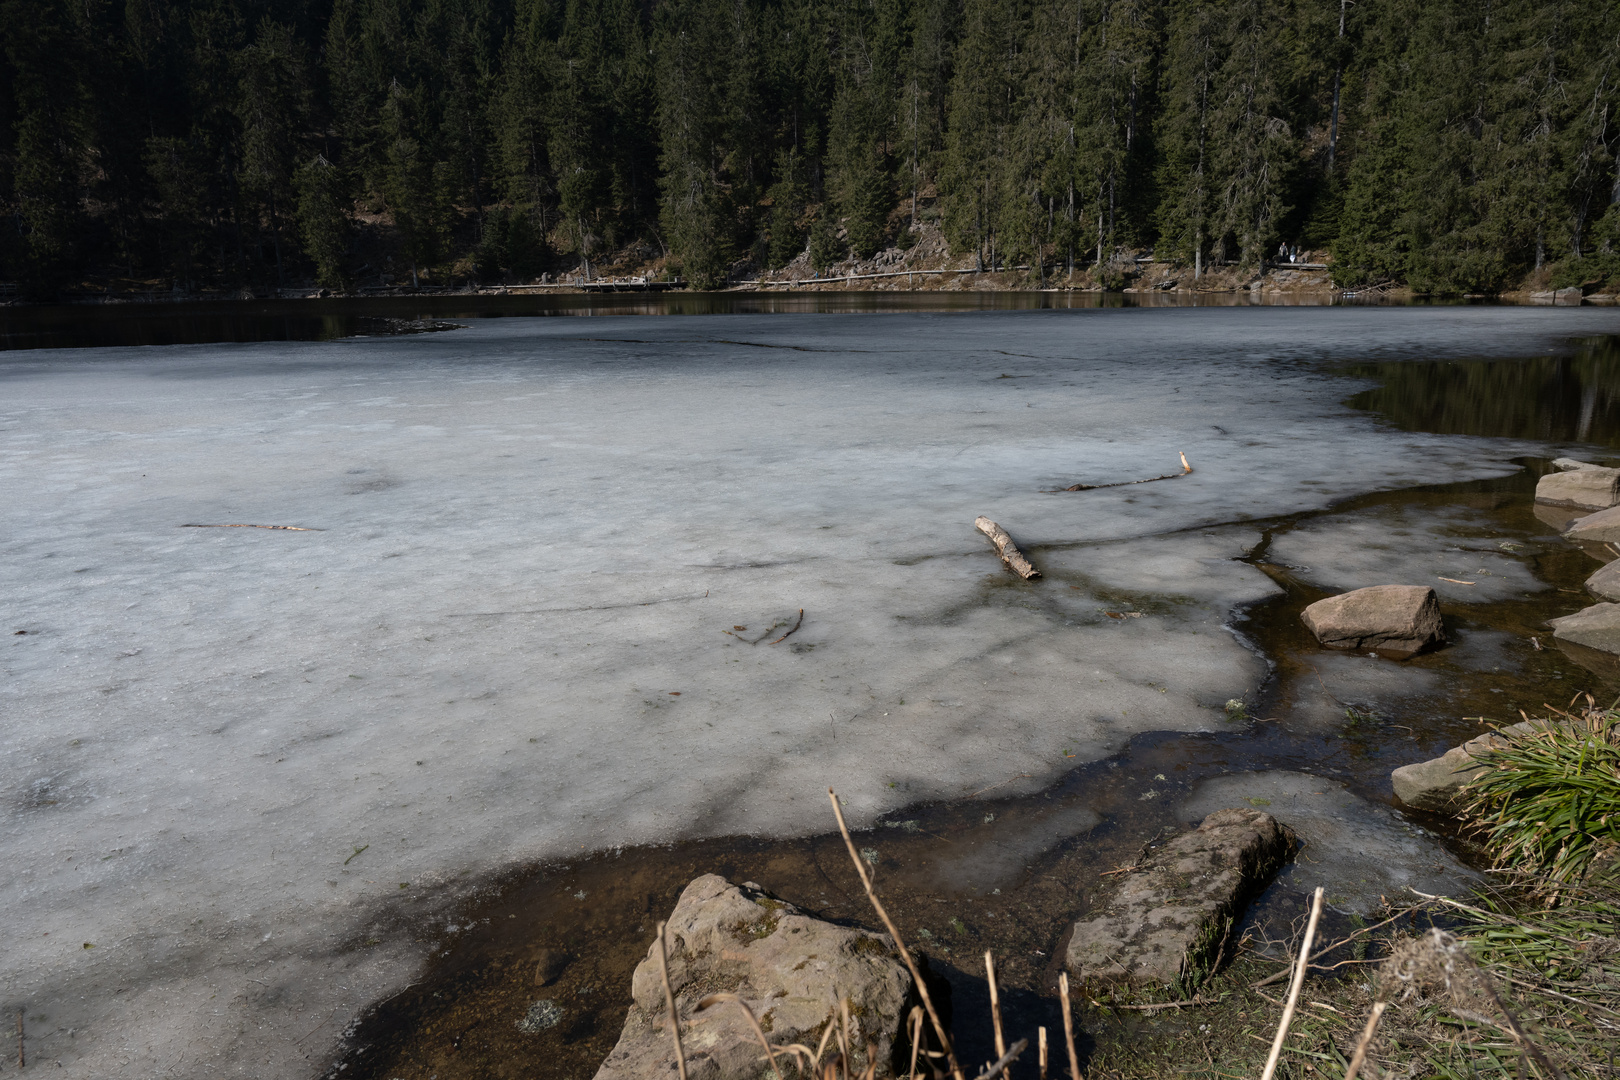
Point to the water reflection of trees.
(1573, 398)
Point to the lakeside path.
(242, 765)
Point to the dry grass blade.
(899, 943)
(1068, 1025)
(1296, 987)
(995, 1002)
(1042, 1033)
(1359, 1058)
(669, 998)
(915, 1022)
(770, 1052)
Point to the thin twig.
(1293, 990)
(1341, 943)
(1121, 870)
(1195, 1000)
(669, 997)
(1068, 1025)
(995, 1001)
(1042, 1042)
(1000, 1067)
(288, 528)
(1360, 1056)
(899, 943)
(795, 626)
(1185, 469)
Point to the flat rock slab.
(1605, 583)
(1400, 620)
(1357, 851)
(1435, 784)
(1596, 627)
(1599, 528)
(1590, 488)
(791, 969)
(1163, 923)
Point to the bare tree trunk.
(1338, 72)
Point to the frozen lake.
(242, 764)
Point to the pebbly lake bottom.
(1010, 875)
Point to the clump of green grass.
(1548, 808)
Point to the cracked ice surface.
(506, 642)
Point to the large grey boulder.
(791, 968)
(1162, 924)
(1597, 627)
(1600, 528)
(1590, 488)
(1605, 583)
(1566, 464)
(1397, 619)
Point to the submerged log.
(1008, 550)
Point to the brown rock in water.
(1587, 488)
(792, 970)
(1163, 924)
(1398, 619)
(1601, 527)
(549, 965)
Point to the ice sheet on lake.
(1452, 550)
(239, 761)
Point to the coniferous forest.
(1451, 145)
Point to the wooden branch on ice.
(1186, 468)
(289, 528)
(1008, 550)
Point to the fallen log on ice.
(1008, 550)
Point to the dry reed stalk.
(669, 997)
(899, 943)
(995, 1002)
(1042, 1033)
(916, 1021)
(1360, 1056)
(1295, 987)
(1068, 1025)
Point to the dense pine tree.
(220, 143)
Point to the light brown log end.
(1006, 548)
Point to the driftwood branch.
(289, 528)
(792, 628)
(1008, 550)
(1186, 467)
